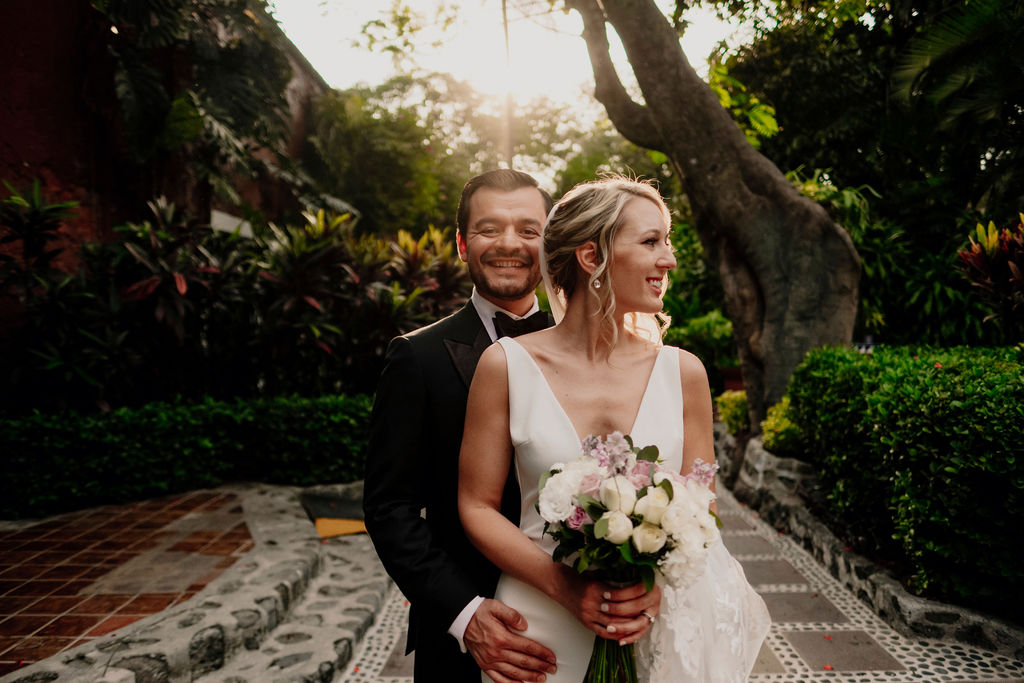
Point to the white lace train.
(708, 633)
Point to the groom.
(411, 486)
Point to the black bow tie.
(507, 326)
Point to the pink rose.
(577, 519)
(641, 474)
(591, 485)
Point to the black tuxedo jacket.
(412, 465)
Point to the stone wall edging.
(770, 485)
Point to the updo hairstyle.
(592, 212)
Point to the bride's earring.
(597, 284)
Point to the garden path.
(73, 585)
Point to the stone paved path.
(820, 631)
(298, 608)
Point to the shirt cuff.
(458, 627)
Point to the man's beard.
(506, 291)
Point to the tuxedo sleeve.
(396, 474)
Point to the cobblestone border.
(770, 484)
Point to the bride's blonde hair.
(592, 212)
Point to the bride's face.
(641, 258)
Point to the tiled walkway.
(69, 579)
(72, 578)
(820, 631)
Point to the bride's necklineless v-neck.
(565, 414)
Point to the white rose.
(710, 531)
(648, 538)
(555, 500)
(680, 570)
(617, 493)
(653, 505)
(691, 541)
(677, 517)
(619, 527)
(660, 476)
(702, 496)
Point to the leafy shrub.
(780, 434)
(174, 309)
(732, 410)
(709, 337)
(936, 306)
(66, 461)
(922, 446)
(995, 264)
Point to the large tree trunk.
(790, 274)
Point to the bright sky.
(548, 55)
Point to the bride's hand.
(622, 614)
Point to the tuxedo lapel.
(467, 343)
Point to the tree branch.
(631, 119)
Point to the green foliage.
(176, 309)
(920, 452)
(828, 70)
(693, 301)
(28, 221)
(208, 73)
(600, 150)
(694, 288)
(755, 118)
(732, 410)
(780, 434)
(377, 159)
(400, 152)
(66, 461)
(967, 67)
(995, 264)
(709, 337)
(934, 304)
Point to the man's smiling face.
(501, 243)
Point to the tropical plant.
(30, 225)
(201, 87)
(756, 118)
(174, 308)
(995, 265)
(905, 295)
(968, 67)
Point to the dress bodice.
(709, 632)
(543, 434)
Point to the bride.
(602, 368)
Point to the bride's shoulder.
(492, 359)
(691, 369)
(687, 359)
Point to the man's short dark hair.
(503, 179)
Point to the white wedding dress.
(708, 633)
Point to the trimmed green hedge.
(58, 462)
(922, 452)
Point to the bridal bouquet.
(617, 512)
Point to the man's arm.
(396, 474)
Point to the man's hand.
(502, 654)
